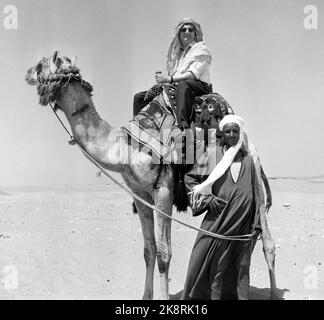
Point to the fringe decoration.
(49, 88)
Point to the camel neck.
(89, 129)
(85, 122)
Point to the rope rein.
(73, 141)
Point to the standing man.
(218, 268)
(188, 63)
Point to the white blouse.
(196, 58)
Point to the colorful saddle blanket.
(152, 126)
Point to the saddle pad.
(152, 126)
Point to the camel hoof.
(274, 296)
(147, 297)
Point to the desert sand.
(84, 242)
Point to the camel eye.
(210, 108)
(67, 59)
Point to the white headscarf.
(228, 157)
(175, 46)
(231, 118)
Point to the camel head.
(51, 75)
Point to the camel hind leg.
(267, 240)
(147, 223)
(269, 254)
(163, 202)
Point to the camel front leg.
(269, 249)
(163, 201)
(147, 223)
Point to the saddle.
(152, 126)
(207, 108)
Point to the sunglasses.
(189, 29)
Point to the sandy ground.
(83, 242)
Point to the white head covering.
(175, 46)
(228, 157)
(231, 118)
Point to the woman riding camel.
(188, 63)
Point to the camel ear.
(58, 62)
(53, 66)
(55, 55)
(74, 61)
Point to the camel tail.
(180, 199)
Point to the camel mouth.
(30, 77)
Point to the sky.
(266, 64)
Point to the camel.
(59, 82)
